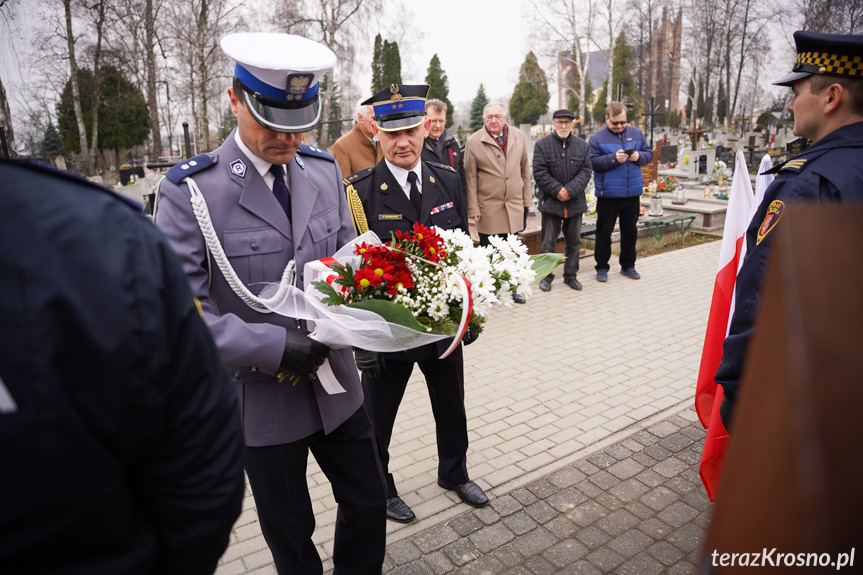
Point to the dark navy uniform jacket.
(388, 209)
(830, 171)
(120, 435)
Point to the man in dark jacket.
(440, 146)
(120, 433)
(561, 170)
(617, 153)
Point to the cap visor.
(791, 78)
(287, 120)
(400, 123)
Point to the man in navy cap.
(236, 218)
(400, 191)
(827, 102)
(561, 169)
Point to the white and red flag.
(708, 394)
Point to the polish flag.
(708, 395)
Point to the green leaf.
(331, 296)
(544, 264)
(391, 312)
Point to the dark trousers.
(608, 210)
(445, 381)
(571, 235)
(348, 457)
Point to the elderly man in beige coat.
(358, 149)
(498, 178)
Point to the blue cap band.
(400, 106)
(271, 92)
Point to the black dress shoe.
(398, 510)
(545, 284)
(573, 283)
(517, 298)
(469, 492)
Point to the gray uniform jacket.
(259, 241)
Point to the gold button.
(822, 69)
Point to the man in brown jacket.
(498, 178)
(358, 150)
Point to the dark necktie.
(416, 197)
(280, 188)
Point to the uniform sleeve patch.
(774, 213)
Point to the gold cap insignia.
(394, 90)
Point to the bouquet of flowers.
(422, 286)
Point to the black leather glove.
(370, 363)
(469, 337)
(303, 355)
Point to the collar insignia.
(384, 186)
(238, 168)
(299, 161)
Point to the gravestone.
(724, 154)
(697, 163)
(797, 147)
(668, 154)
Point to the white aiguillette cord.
(214, 248)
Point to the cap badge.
(394, 90)
(238, 168)
(297, 86)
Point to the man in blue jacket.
(617, 153)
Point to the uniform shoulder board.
(307, 150)
(798, 164)
(190, 167)
(353, 178)
(441, 166)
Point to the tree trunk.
(97, 59)
(76, 95)
(6, 115)
(152, 99)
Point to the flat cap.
(563, 114)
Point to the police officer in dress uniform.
(119, 431)
(398, 192)
(271, 199)
(827, 86)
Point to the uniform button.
(302, 277)
(329, 227)
(254, 246)
(506, 179)
(299, 247)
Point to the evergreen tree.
(51, 144)
(479, 102)
(334, 128)
(600, 106)
(689, 99)
(622, 76)
(530, 97)
(229, 122)
(391, 71)
(439, 86)
(378, 65)
(124, 118)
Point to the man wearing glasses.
(617, 153)
(561, 169)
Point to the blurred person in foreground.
(827, 102)
(120, 433)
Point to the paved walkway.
(581, 434)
